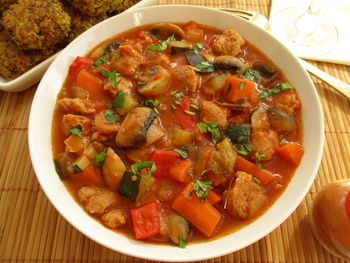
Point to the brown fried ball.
(118, 6)
(92, 7)
(36, 24)
(4, 5)
(13, 61)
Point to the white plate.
(32, 76)
(45, 99)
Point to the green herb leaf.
(136, 167)
(241, 85)
(198, 47)
(77, 130)
(190, 172)
(277, 89)
(211, 127)
(173, 106)
(161, 46)
(204, 67)
(177, 94)
(99, 159)
(193, 106)
(119, 100)
(202, 188)
(152, 104)
(256, 180)
(207, 170)
(189, 112)
(260, 156)
(238, 132)
(253, 75)
(246, 149)
(111, 75)
(110, 116)
(182, 151)
(101, 60)
(182, 243)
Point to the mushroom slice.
(165, 30)
(153, 81)
(228, 62)
(179, 228)
(281, 120)
(265, 70)
(133, 130)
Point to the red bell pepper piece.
(164, 159)
(80, 63)
(146, 220)
(187, 121)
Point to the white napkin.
(338, 13)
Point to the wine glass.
(308, 32)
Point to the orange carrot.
(202, 215)
(90, 83)
(242, 164)
(91, 175)
(213, 197)
(237, 88)
(291, 153)
(74, 144)
(179, 171)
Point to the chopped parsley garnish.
(202, 188)
(182, 151)
(119, 100)
(241, 85)
(162, 45)
(77, 130)
(111, 76)
(101, 60)
(207, 170)
(193, 106)
(99, 159)
(204, 67)
(173, 106)
(182, 243)
(152, 104)
(137, 167)
(198, 47)
(177, 94)
(246, 149)
(256, 180)
(110, 116)
(277, 89)
(189, 112)
(259, 157)
(253, 75)
(211, 127)
(190, 172)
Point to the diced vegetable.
(236, 89)
(239, 133)
(194, 59)
(146, 220)
(154, 133)
(244, 165)
(187, 121)
(180, 137)
(113, 168)
(63, 166)
(227, 153)
(81, 164)
(129, 185)
(129, 102)
(165, 30)
(265, 70)
(201, 214)
(291, 153)
(179, 171)
(133, 130)
(164, 160)
(213, 197)
(153, 81)
(74, 144)
(146, 183)
(91, 175)
(177, 47)
(228, 63)
(216, 83)
(79, 64)
(90, 83)
(281, 120)
(179, 228)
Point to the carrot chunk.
(146, 220)
(291, 153)
(244, 165)
(237, 88)
(213, 197)
(179, 171)
(91, 175)
(202, 215)
(90, 83)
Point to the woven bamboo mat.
(31, 230)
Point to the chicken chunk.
(77, 105)
(114, 218)
(210, 112)
(287, 101)
(71, 120)
(103, 126)
(123, 84)
(156, 58)
(228, 43)
(96, 200)
(185, 77)
(127, 60)
(247, 198)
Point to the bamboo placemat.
(31, 230)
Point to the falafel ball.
(36, 24)
(4, 5)
(118, 6)
(92, 7)
(13, 61)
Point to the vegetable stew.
(176, 133)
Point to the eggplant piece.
(133, 130)
(281, 120)
(259, 119)
(154, 133)
(194, 59)
(228, 63)
(112, 46)
(153, 81)
(113, 168)
(239, 133)
(227, 154)
(216, 83)
(179, 227)
(177, 47)
(81, 164)
(63, 166)
(265, 70)
(164, 30)
(129, 185)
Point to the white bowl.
(45, 98)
